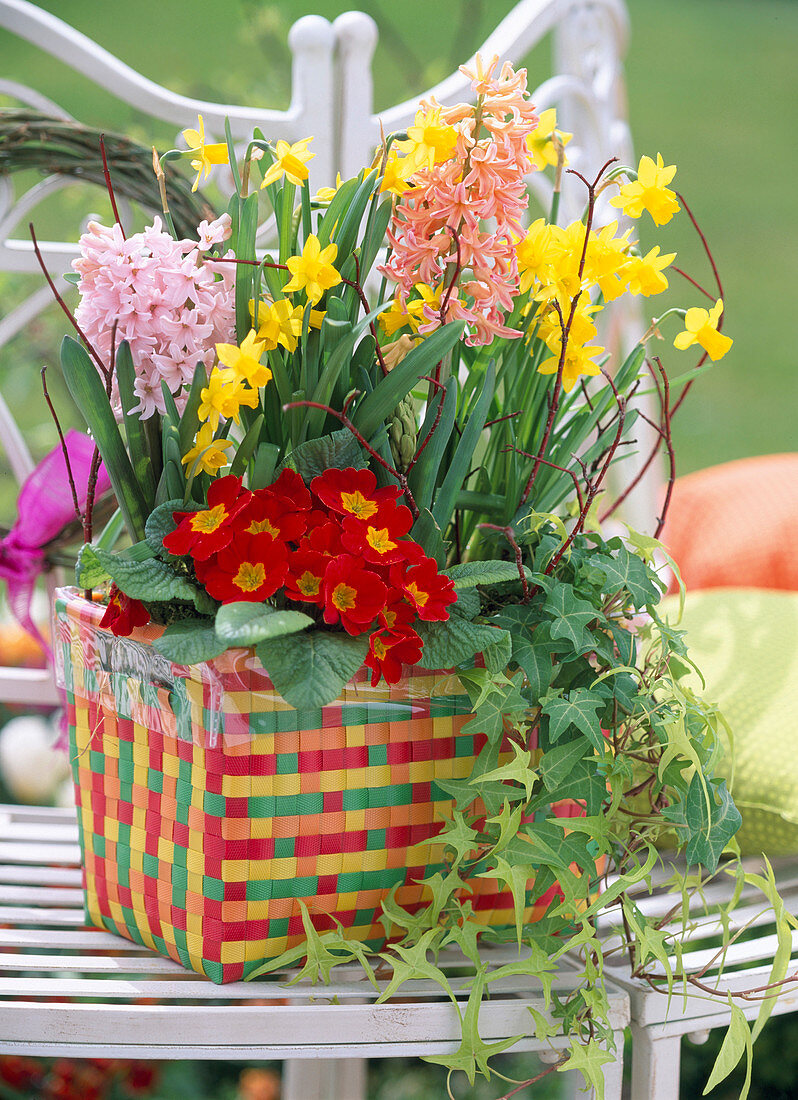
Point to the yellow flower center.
(416, 594)
(343, 597)
(358, 505)
(250, 576)
(390, 618)
(379, 649)
(378, 540)
(210, 520)
(258, 526)
(309, 584)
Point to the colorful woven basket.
(208, 808)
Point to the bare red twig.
(70, 315)
(509, 534)
(439, 386)
(62, 441)
(554, 466)
(364, 443)
(704, 242)
(697, 285)
(109, 185)
(534, 1080)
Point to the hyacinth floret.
(465, 168)
(170, 303)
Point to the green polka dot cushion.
(745, 641)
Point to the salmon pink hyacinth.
(461, 214)
(169, 303)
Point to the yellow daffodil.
(290, 161)
(578, 362)
(206, 155)
(537, 254)
(207, 452)
(223, 397)
(395, 318)
(582, 329)
(542, 142)
(649, 192)
(429, 141)
(280, 323)
(244, 361)
(701, 327)
(644, 274)
(606, 260)
(313, 271)
(327, 194)
(394, 178)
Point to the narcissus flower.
(542, 142)
(313, 271)
(252, 568)
(208, 453)
(429, 141)
(123, 614)
(353, 595)
(426, 589)
(244, 361)
(649, 192)
(352, 492)
(645, 274)
(207, 531)
(327, 194)
(388, 651)
(290, 161)
(279, 322)
(206, 155)
(701, 327)
(394, 177)
(578, 361)
(223, 397)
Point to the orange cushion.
(736, 525)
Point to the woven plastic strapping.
(208, 807)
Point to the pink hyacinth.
(169, 303)
(466, 210)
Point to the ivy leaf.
(515, 878)
(489, 715)
(708, 827)
(560, 849)
(628, 571)
(507, 821)
(412, 962)
(152, 581)
(557, 763)
(340, 449)
(588, 1058)
(473, 1053)
(570, 617)
(577, 710)
(518, 770)
(454, 641)
(459, 836)
(190, 642)
(310, 669)
(246, 623)
(533, 654)
(472, 573)
(736, 1043)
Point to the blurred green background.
(712, 84)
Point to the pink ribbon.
(44, 508)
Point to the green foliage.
(246, 624)
(310, 669)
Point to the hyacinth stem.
(364, 443)
(62, 441)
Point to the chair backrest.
(332, 98)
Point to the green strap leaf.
(88, 393)
(463, 460)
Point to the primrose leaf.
(152, 581)
(189, 642)
(449, 643)
(310, 668)
(88, 571)
(246, 623)
(471, 573)
(340, 449)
